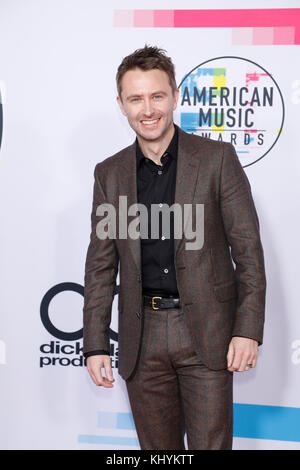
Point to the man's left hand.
(241, 351)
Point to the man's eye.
(135, 99)
(157, 96)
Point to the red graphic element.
(254, 77)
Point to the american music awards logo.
(236, 100)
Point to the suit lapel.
(129, 188)
(186, 177)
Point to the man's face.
(148, 102)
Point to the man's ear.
(121, 105)
(176, 96)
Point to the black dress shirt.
(156, 185)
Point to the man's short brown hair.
(147, 58)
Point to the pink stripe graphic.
(236, 18)
(262, 26)
(144, 18)
(263, 36)
(242, 36)
(164, 18)
(284, 35)
(123, 18)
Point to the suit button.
(138, 314)
(139, 278)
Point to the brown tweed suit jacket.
(220, 299)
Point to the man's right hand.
(94, 365)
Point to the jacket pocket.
(226, 291)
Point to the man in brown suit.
(188, 318)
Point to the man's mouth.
(149, 122)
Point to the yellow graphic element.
(219, 81)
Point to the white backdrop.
(58, 61)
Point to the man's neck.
(154, 150)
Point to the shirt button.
(163, 237)
(159, 172)
(160, 204)
(166, 270)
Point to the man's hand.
(241, 351)
(94, 365)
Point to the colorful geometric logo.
(233, 99)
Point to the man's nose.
(148, 108)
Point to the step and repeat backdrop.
(238, 71)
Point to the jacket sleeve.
(101, 270)
(243, 235)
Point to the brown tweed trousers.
(219, 299)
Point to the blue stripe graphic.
(112, 440)
(107, 419)
(112, 420)
(277, 423)
(125, 421)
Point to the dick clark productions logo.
(65, 348)
(236, 100)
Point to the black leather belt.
(158, 302)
